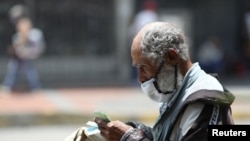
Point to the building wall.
(83, 47)
(87, 41)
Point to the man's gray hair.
(157, 38)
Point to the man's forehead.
(136, 53)
(137, 39)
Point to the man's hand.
(113, 130)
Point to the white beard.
(166, 79)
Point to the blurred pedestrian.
(147, 14)
(27, 45)
(211, 55)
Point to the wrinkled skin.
(113, 130)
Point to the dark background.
(83, 48)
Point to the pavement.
(76, 105)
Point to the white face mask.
(149, 89)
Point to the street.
(37, 133)
(66, 100)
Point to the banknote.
(101, 115)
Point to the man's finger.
(101, 123)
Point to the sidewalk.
(76, 106)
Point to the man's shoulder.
(211, 96)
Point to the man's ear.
(171, 56)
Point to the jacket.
(216, 111)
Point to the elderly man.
(190, 99)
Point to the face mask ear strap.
(176, 75)
(156, 75)
(175, 83)
(160, 66)
(156, 86)
(159, 69)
